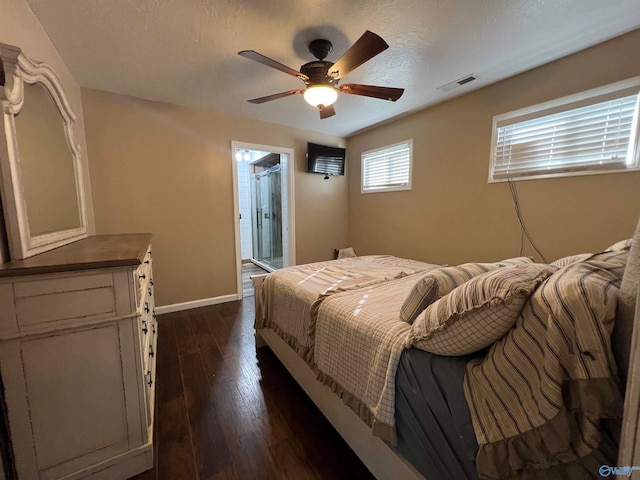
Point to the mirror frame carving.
(18, 70)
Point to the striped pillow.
(512, 262)
(621, 246)
(566, 261)
(583, 295)
(441, 281)
(477, 313)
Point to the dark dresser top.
(96, 251)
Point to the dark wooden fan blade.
(383, 93)
(326, 112)
(368, 46)
(257, 57)
(275, 96)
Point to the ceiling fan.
(321, 77)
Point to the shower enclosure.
(266, 205)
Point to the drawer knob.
(151, 350)
(150, 281)
(146, 307)
(144, 327)
(143, 276)
(149, 381)
(146, 261)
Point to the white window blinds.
(388, 168)
(594, 132)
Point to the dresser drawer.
(142, 278)
(152, 339)
(49, 300)
(150, 387)
(148, 331)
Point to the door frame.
(287, 163)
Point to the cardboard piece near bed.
(294, 344)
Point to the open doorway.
(265, 199)
(263, 189)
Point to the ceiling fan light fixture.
(321, 77)
(320, 95)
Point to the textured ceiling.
(185, 51)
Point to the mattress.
(433, 423)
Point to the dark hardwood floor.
(224, 411)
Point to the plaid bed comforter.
(359, 337)
(289, 298)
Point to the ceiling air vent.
(457, 83)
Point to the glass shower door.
(267, 217)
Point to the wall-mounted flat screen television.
(325, 160)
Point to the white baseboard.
(205, 302)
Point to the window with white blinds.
(388, 168)
(592, 132)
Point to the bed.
(378, 349)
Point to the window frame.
(407, 186)
(596, 95)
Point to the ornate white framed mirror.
(40, 171)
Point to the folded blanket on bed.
(539, 398)
(290, 297)
(359, 338)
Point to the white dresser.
(77, 357)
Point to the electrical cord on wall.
(523, 228)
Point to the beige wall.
(20, 27)
(167, 170)
(453, 215)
